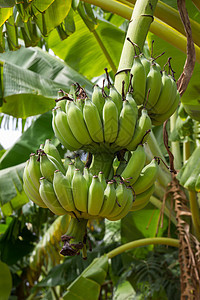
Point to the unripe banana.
(102, 179)
(59, 135)
(98, 100)
(66, 162)
(77, 124)
(110, 121)
(159, 119)
(121, 199)
(127, 123)
(109, 199)
(133, 104)
(63, 191)
(146, 63)
(78, 163)
(87, 175)
(121, 167)
(142, 199)
(135, 165)
(70, 171)
(72, 91)
(80, 191)
(142, 127)
(50, 149)
(30, 189)
(138, 80)
(166, 97)
(49, 197)
(126, 208)
(80, 103)
(116, 98)
(93, 121)
(147, 177)
(61, 123)
(95, 196)
(47, 167)
(61, 104)
(153, 85)
(59, 166)
(34, 170)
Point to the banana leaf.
(5, 281)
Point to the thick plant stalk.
(140, 22)
(143, 242)
(175, 146)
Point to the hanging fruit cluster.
(111, 128)
(153, 88)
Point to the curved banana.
(153, 85)
(126, 208)
(30, 189)
(77, 124)
(143, 126)
(93, 121)
(166, 97)
(98, 99)
(146, 63)
(133, 104)
(87, 175)
(63, 191)
(109, 200)
(138, 81)
(34, 170)
(47, 167)
(121, 200)
(135, 165)
(147, 177)
(61, 104)
(63, 126)
(116, 98)
(142, 199)
(50, 149)
(59, 166)
(110, 121)
(102, 179)
(159, 119)
(59, 135)
(95, 196)
(49, 197)
(70, 171)
(80, 191)
(127, 122)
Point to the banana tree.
(83, 36)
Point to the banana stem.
(143, 242)
(102, 162)
(175, 146)
(141, 19)
(194, 208)
(186, 151)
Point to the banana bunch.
(104, 123)
(189, 174)
(153, 88)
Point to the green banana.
(121, 200)
(147, 177)
(70, 171)
(143, 126)
(72, 91)
(133, 104)
(121, 167)
(126, 209)
(127, 122)
(146, 63)
(63, 126)
(80, 191)
(110, 121)
(116, 98)
(77, 124)
(153, 85)
(93, 121)
(167, 95)
(159, 119)
(109, 200)
(135, 165)
(47, 167)
(102, 179)
(95, 196)
(98, 99)
(87, 175)
(58, 165)
(63, 191)
(138, 81)
(50, 149)
(61, 104)
(34, 170)
(142, 199)
(59, 135)
(30, 189)
(49, 197)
